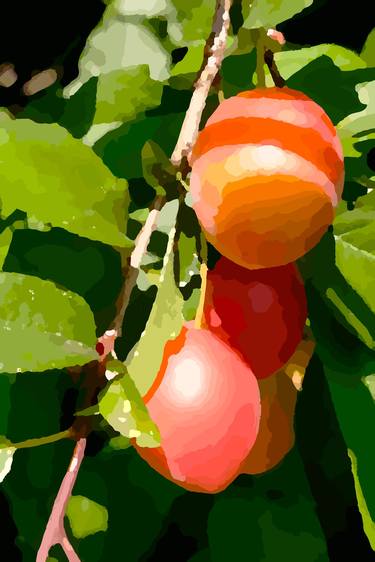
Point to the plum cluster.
(267, 171)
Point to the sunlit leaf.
(368, 51)
(42, 327)
(5, 240)
(57, 180)
(6, 460)
(360, 123)
(190, 21)
(268, 13)
(117, 44)
(164, 323)
(122, 94)
(368, 523)
(86, 517)
(122, 407)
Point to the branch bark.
(214, 52)
(55, 532)
(214, 56)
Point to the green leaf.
(6, 460)
(358, 267)
(349, 368)
(43, 327)
(164, 323)
(368, 523)
(190, 21)
(191, 305)
(245, 524)
(121, 149)
(290, 62)
(321, 77)
(157, 168)
(355, 252)
(86, 517)
(116, 45)
(268, 13)
(346, 296)
(191, 62)
(145, 8)
(79, 110)
(351, 395)
(5, 241)
(121, 94)
(358, 125)
(57, 180)
(188, 257)
(368, 51)
(121, 405)
(235, 79)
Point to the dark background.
(37, 35)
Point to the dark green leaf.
(290, 62)
(157, 168)
(321, 77)
(260, 518)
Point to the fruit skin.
(267, 170)
(206, 404)
(259, 313)
(276, 430)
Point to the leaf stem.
(35, 442)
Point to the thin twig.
(190, 126)
(136, 257)
(55, 532)
(215, 47)
(199, 314)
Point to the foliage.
(80, 164)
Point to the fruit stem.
(260, 47)
(203, 256)
(296, 366)
(199, 315)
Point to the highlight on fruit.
(206, 403)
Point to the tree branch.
(215, 49)
(55, 532)
(214, 52)
(133, 266)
